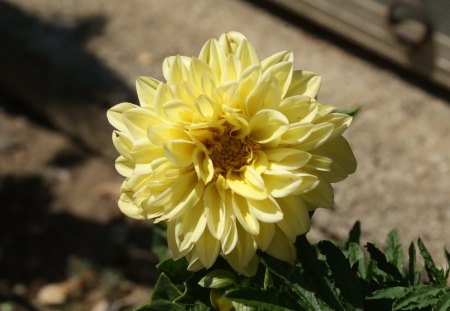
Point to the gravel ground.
(400, 137)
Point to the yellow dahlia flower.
(232, 152)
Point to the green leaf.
(354, 234)
(316, 272)
(350, 111)
(165, 289)
(356, 256)
(419, 296)
(391, 293)
(443, 304)
(175, 270)
(291, 276)
(199, 307)
(346, 280)
(383, 264)
(413, 274)
(435, 275)
(159, 305)
(394, 251)
(218, 279)
(262, 300)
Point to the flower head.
(232, 152)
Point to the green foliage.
(326, 277)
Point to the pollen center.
(229, 153)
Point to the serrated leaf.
(391, 293)
(350, 111)
(419, 296)
(443, 304)
(218, 279)
(316, 272)
(262, 300)
(175, 270)
(290, 275)
(413, 274)
(355, 255)
(435, 275)
(346, 280)
(354, 235)
(161, 305)
(394, 251)
(383, 264)
(165, 289)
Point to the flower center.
(229, 153)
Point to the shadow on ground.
(36, 244)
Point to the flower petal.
(114, 115)
(207, 249)
(215, 211)
(281, 183)
(267, 125)
(281, 248)
(244, 216)
(282, 159)
(304, 83)
(179, 152)
(146, 90)
(248, 184)
(296, 219)
(265, 210)
(265, 236)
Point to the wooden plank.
(364, 22)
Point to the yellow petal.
(230, 237)
(281, 183)
(230, 41)
(215, 211)
(248, 79)
(179, 152)
(281, 248)
(283, 56)
(158, 134)
(123, 144)
(297, 133)
(207, 249)
(199, 69)
(282, 159)
(249, 185)
(114, 115)
(138, 120)
(205, 107)
(146, 90)
(296, 218)
(127, 207)
(265, 236)
(173, 239)
(124, 166)
(304, 83)
(265, 210)
(282, 72)
(213, 54)
(175, 68)
(232, 69)
(178, 111)
(247, 54)
(319, 135)
(296, 108)
(244, 252)
(267, 125)
(321, 196)
(193, 225)
(266, 94)
(244, 216)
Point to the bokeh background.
(63, 243)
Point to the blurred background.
(64, 245)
